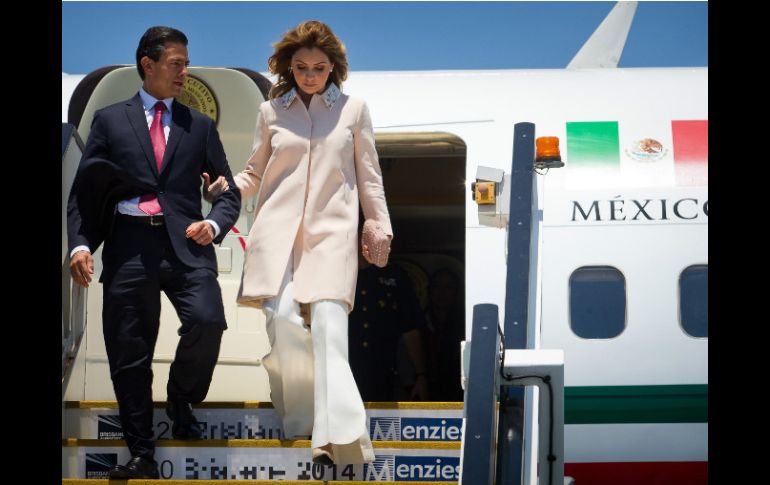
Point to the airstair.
(414, 442)
(509, 430)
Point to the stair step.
(387, 421)
(266, 459)
(268, 405)
(266, 443)
(82, 481)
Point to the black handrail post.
(511, 416)
(478, 453)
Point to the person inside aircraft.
(386, 311)
(313, 158)
(442, 335)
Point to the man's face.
(165, 78)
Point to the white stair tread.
(266, 459)
(97, 481)
(416, 445)
(258, 420)
(268, 405)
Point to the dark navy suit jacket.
(118, 163)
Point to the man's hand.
(82, 267)
(212, 191)
(201, 232)
(420, 389)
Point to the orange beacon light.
(547, 152)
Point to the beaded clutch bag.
(378, 243)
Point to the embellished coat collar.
(329, 96)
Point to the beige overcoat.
(309, 167)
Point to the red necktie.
(148, 203)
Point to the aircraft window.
(597, 302)
(693, 300)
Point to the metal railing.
(500, 424)
(73, 325)
(73, 296)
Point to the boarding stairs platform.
(414, 442)
(514, 434)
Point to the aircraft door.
(232, 98)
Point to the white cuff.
(78, 249)
(215, 226)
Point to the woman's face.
(311, 68)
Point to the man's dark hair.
(153, 44)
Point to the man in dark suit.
(138, 191)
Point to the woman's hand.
(212, 191)
(375, 244)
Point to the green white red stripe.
(637, 435)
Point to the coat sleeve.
(83, 227)
(368, 173)
(250, 179)
(225, 208)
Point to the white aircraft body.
(621, 237)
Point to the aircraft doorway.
(424, 180)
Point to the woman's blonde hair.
(310, 33)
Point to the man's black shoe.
(137, 467)
(185, 426)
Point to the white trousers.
(311, 384)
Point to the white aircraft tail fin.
(604, 47)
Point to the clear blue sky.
(387, 35)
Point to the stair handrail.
(73, 295)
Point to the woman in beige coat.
(313, 157)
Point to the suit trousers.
(311, 384)
(139, 263)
